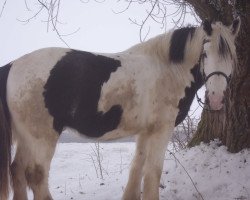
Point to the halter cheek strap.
(215, 72)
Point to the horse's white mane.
(159, 46)
(222, 32)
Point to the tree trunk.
(231, 125)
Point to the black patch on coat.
(73, 90)
(224, 49)
(186, 101)
(4, 72)
(207, 27)
(178, 43)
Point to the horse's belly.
(135, 122)
(117, 134)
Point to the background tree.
(231, 125)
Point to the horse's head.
(218, 59)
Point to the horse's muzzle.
(215, 101)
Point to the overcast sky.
(100, 29)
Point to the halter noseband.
(218, 73)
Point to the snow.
(216, 173)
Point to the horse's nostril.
(213, 93)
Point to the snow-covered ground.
(205, 172)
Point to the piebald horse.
(146, 91)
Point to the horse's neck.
(157, 50)
(159, 47)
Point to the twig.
(98, 158)
(65, 188)
(97, 145)
(32, 17)
(125, 9)
(4, 4)
(188, 175)
(26, 5)
(79, 181)
(93, 161)
(121, 163)
(52, 8)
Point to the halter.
(205, 78)
(200, 102)
(228, 78)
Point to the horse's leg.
(18, 167)
(37, 172)
(133, 188)
(156, 147)
(31, 168)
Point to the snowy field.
(205, 172)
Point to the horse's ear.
(207, 27)
(235, 27)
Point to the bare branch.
(73, 32)
(84, 1)
(52, 7)
(157, 12)
(32, 17)
(98, 158)
(4, 4)
(26, 5)
(59, 35)
(145, 20)
(43, 4)
(125, 9)
(184, 132)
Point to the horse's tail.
(5, 136)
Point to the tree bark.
(231, 125)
